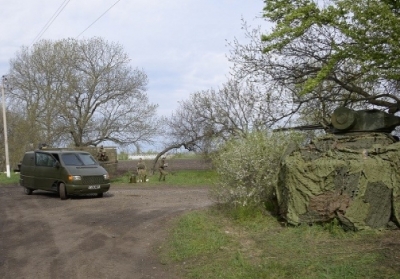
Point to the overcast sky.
(180, 44)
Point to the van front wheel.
(62, 191)
(28, 191)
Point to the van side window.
(44, 160)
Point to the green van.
(66, 172)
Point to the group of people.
(142, 170)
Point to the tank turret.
(345, 120)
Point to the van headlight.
(75, 178)
(106, 176)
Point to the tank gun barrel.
(301, 128)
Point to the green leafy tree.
(319, 55)
(352, 44)
(82, 93)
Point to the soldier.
(141, 170)
(42, 146)
(161, 167)
(101, 155)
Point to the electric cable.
(98, 18)
(51, 20)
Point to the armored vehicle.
(66, 172)
(351, 174)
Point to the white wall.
(146, 156)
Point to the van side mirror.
(57, 164)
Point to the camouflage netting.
(354, 178)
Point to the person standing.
(101, 155)
(141, 170)
(161, 167)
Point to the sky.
(180, 44)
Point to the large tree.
(83, 93)
(326, 54)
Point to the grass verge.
(178, 178)
(13, 179)
(242, 243)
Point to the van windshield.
(78, 159)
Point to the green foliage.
(292, 19)
(360, 33)
(248, 168)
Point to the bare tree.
(82, 93)
(210, 117)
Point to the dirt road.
(115, 236)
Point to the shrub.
(248, 168)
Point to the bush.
(248, 168)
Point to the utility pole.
(4, 80)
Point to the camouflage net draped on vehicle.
(353, 178)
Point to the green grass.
(178, 178)
(220, 243)
(13, 179)
(193, 236)
(188, 155)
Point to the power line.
(98, 18)
(51, 20)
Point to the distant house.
(145, 156)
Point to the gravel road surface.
(115, 236)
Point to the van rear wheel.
(28, 191)
(62, 191)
